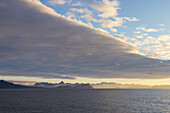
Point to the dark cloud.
(35, 41)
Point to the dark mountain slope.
(8, 85)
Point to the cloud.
(110, 23)
(137, 32)
(81, 10)
(108, 9)
(161, 25)
(131, 19)
(36, 74)
(70, 15)
(164, 38)
(108, 12)
(59, 2)
(54, 2)
(114, 30)
(146, 30)
(89, 18)
(154, 47)
(142, 35)
(36, 41)
(77, 4)
(100, 12)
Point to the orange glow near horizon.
(89, 80)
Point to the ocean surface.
(84, 101)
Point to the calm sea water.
(84, 101)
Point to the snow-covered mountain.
(63, 85)
(50, 85)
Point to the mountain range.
(61, 85)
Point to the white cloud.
(114, 30)
(70, 15)
(155, 47)
(90, 18)
(102, 31)
(142, 28)
(110, 23)
(77, 4)
(137, 32)
(108, 11)
(104, 12)
(161, 25)
(164, 38)
(145, 34)
(54, 2)
(131, 19)
(81, 10)
(107, 8)
(150, 37)
(140, 36)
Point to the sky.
(85, 41)
(145, 24)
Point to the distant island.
(61, 85)
(114, 85)
(8, 85)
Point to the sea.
(84, 101)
